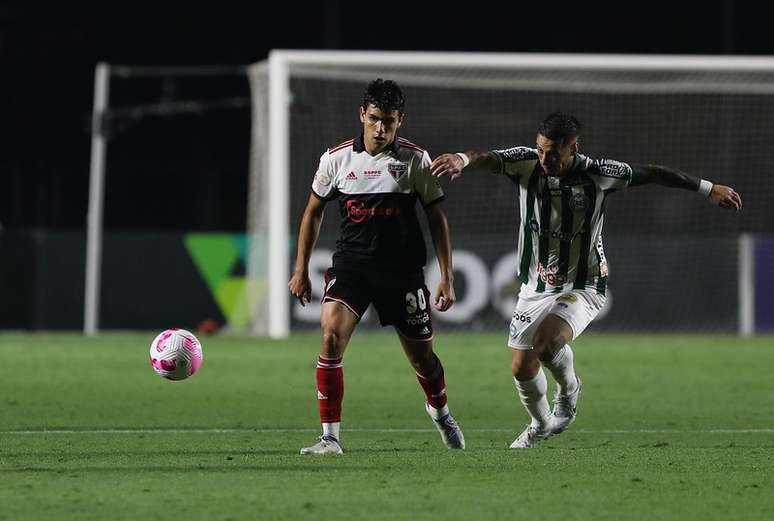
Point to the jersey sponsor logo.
(397, 170)
(551, 275)
(517, 153)
(323, 178)
(424, 318)
(562, 236)
(610, 168)
(358, 212)
(568, 297)
(351, 177)
(372, 174)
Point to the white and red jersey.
(377, 201)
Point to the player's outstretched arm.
(453, 164)
(300, 286)
(718, 195)
(439, 229)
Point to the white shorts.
(577, 307)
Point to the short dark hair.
(384, 95)
(559, 126)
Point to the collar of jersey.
(359, 144)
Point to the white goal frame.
(282, 62)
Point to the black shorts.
(401, 300)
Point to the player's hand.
(447, 164)
(725, 197)
(444, 296)
(301, 287)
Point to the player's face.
(555, 157)
(379, 127)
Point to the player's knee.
(422, 358)
(525, 368)
(332, 345)
(548, 343)
(427, 364)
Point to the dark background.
(189, 172)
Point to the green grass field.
(669, 427)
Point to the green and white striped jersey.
(560, 237)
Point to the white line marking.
(300, 430)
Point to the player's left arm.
(718, 195)
(439, 229)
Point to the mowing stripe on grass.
(301, 430)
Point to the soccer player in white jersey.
(562, 265)
(377, 179)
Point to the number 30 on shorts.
(415, 300)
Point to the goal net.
(674, 259)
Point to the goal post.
(103, 127)
(687, 111)
(96, 200)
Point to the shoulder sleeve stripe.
(412, 147)
(340, 146)
(409, 144)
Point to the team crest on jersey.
(397, 170)
(579, 202)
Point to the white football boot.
(565, 408)
(451, 434)
(327, 445)
(531, 436)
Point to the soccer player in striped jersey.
(377, 179)
(562, 264)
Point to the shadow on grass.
(192, 453)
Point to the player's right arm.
(300, 285)
(513, 162)
(453, 164)
(323, 190)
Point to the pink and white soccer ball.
(176, 354)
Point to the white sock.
(533, 396)
(563, 370)
(437, 414)
(332, 429)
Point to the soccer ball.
(176, 354)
